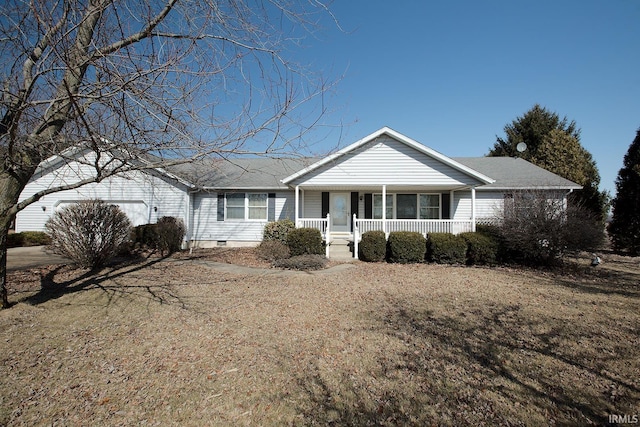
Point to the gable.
(385, 160)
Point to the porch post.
(473, 209)
(384, 209)
(297, 207)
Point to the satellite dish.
(521, 147)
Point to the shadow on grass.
(490, 366)
(50, 289)
(606, 281)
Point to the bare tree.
(175, 79)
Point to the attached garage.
(137, 211)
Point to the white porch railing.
(424, 226)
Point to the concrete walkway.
(30, 257)
(35, 256)
(256, 271)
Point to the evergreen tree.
(625, 225)
(553, 143)
(531, 129)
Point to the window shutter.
(325, 204)
(354, 205)
(446, 205)
(368, 205)
(271, 207)
(220, 206)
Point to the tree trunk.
(3, 265)
(10, 189)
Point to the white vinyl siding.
(143, 196)
(312, 204)
(385, 161)
(206, 227)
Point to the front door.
(339, 211)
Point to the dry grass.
(177, 342)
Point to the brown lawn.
(182, 342)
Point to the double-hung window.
(257, 206)
(408, 206)
(246, 206)
(429, 206)
(377, 206)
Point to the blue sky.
(452, 74)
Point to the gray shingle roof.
(267, 173)
(246, 173)
(515, 173)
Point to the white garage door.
(137, 211)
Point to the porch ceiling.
(390, 188)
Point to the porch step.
(340, 249)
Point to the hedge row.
(442, 248)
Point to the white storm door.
(339, 211)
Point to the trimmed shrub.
(373, 246)
(494, 233)
(481, 248)
(305, 241)
(273, 250)
(89, 233)
(170, 231)
(145, 236)
(446, 248)
(166, 235)
(28, 238)
(302, 262)
(406, 247)
(278, 230)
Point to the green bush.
(305, 241)
(89, 233)
(406, 247)
(278, 230)
(302, 262)
(373, 246)
(145, 236)
(166, 235)
(446, 248)
(170, 231)
(481, 248)
(28, 238)
(273, 250)
(494, 233)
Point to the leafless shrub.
(89, 232)
(539, 227)
(273, 250)
(302, 262)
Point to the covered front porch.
(343, 214)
